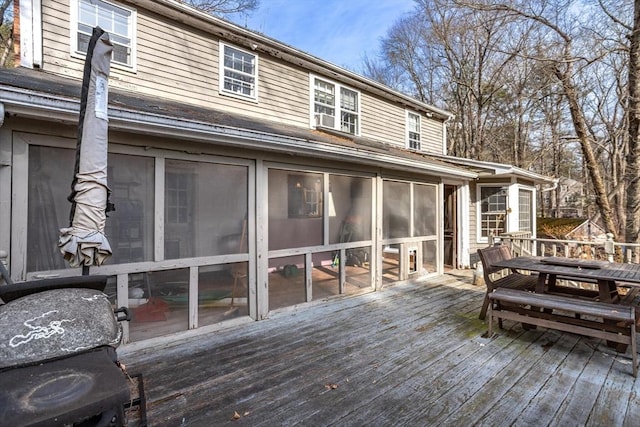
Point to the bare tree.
(6, 33)
(224, 7)
(632, 228)
(469, 63)
(561, 40)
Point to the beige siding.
(178, 62)
(387, 122)
(181, 63)
(382, 121)
(432, 135)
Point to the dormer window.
(238, 72)
(115, 20)
(413, 131)
(335, 107)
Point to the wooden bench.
(611, 322)
(511, 278)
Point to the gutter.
(556, 181)
(24, 103)
(497, 168)
(182, 12)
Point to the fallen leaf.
(236, 415)
(331, 386)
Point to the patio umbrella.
(84, 243)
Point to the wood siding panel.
(56, 42)
(382, 121)
(180, 63)
(432, 135)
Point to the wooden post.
(609, 247)
(4, 270)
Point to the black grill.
(64, 391)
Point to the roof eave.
(498, 169)
(259, 42)
(48, 107)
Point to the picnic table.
(607, 275)
(606, 317)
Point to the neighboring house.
(565, 201)
(571, 229)
(247, 175)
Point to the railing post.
(4, 268)
(609, 247)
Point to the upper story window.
(115, 20)
(335, 107)
(413, 131)
(238, 72)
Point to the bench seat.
(516, 281)
(613, 322)
(511, 279)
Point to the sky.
(339, 31)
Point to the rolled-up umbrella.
(84, 243)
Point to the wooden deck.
(412, 354)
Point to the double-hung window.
(493, 211)
(335, 107)
(525, 210)
(118, 21)
(413, 131)
(238, 72)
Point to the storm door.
(450, 221)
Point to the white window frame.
(75, 4)
(221, 70)
(411, 142)
(532, 211)
(338, 110)
(506, 185)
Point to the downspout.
(555, 185)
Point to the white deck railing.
(522, 243)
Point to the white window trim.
(534, 207)
(338, 87)
(408, 114)
(221, 89)
(479, 237)
(73, 28)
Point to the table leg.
(542, 282)
(608, 293)
(540, 285)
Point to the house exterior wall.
(179, 62)
(511, 214)
(41, 194)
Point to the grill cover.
(56, 323)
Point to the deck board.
(412, 354)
